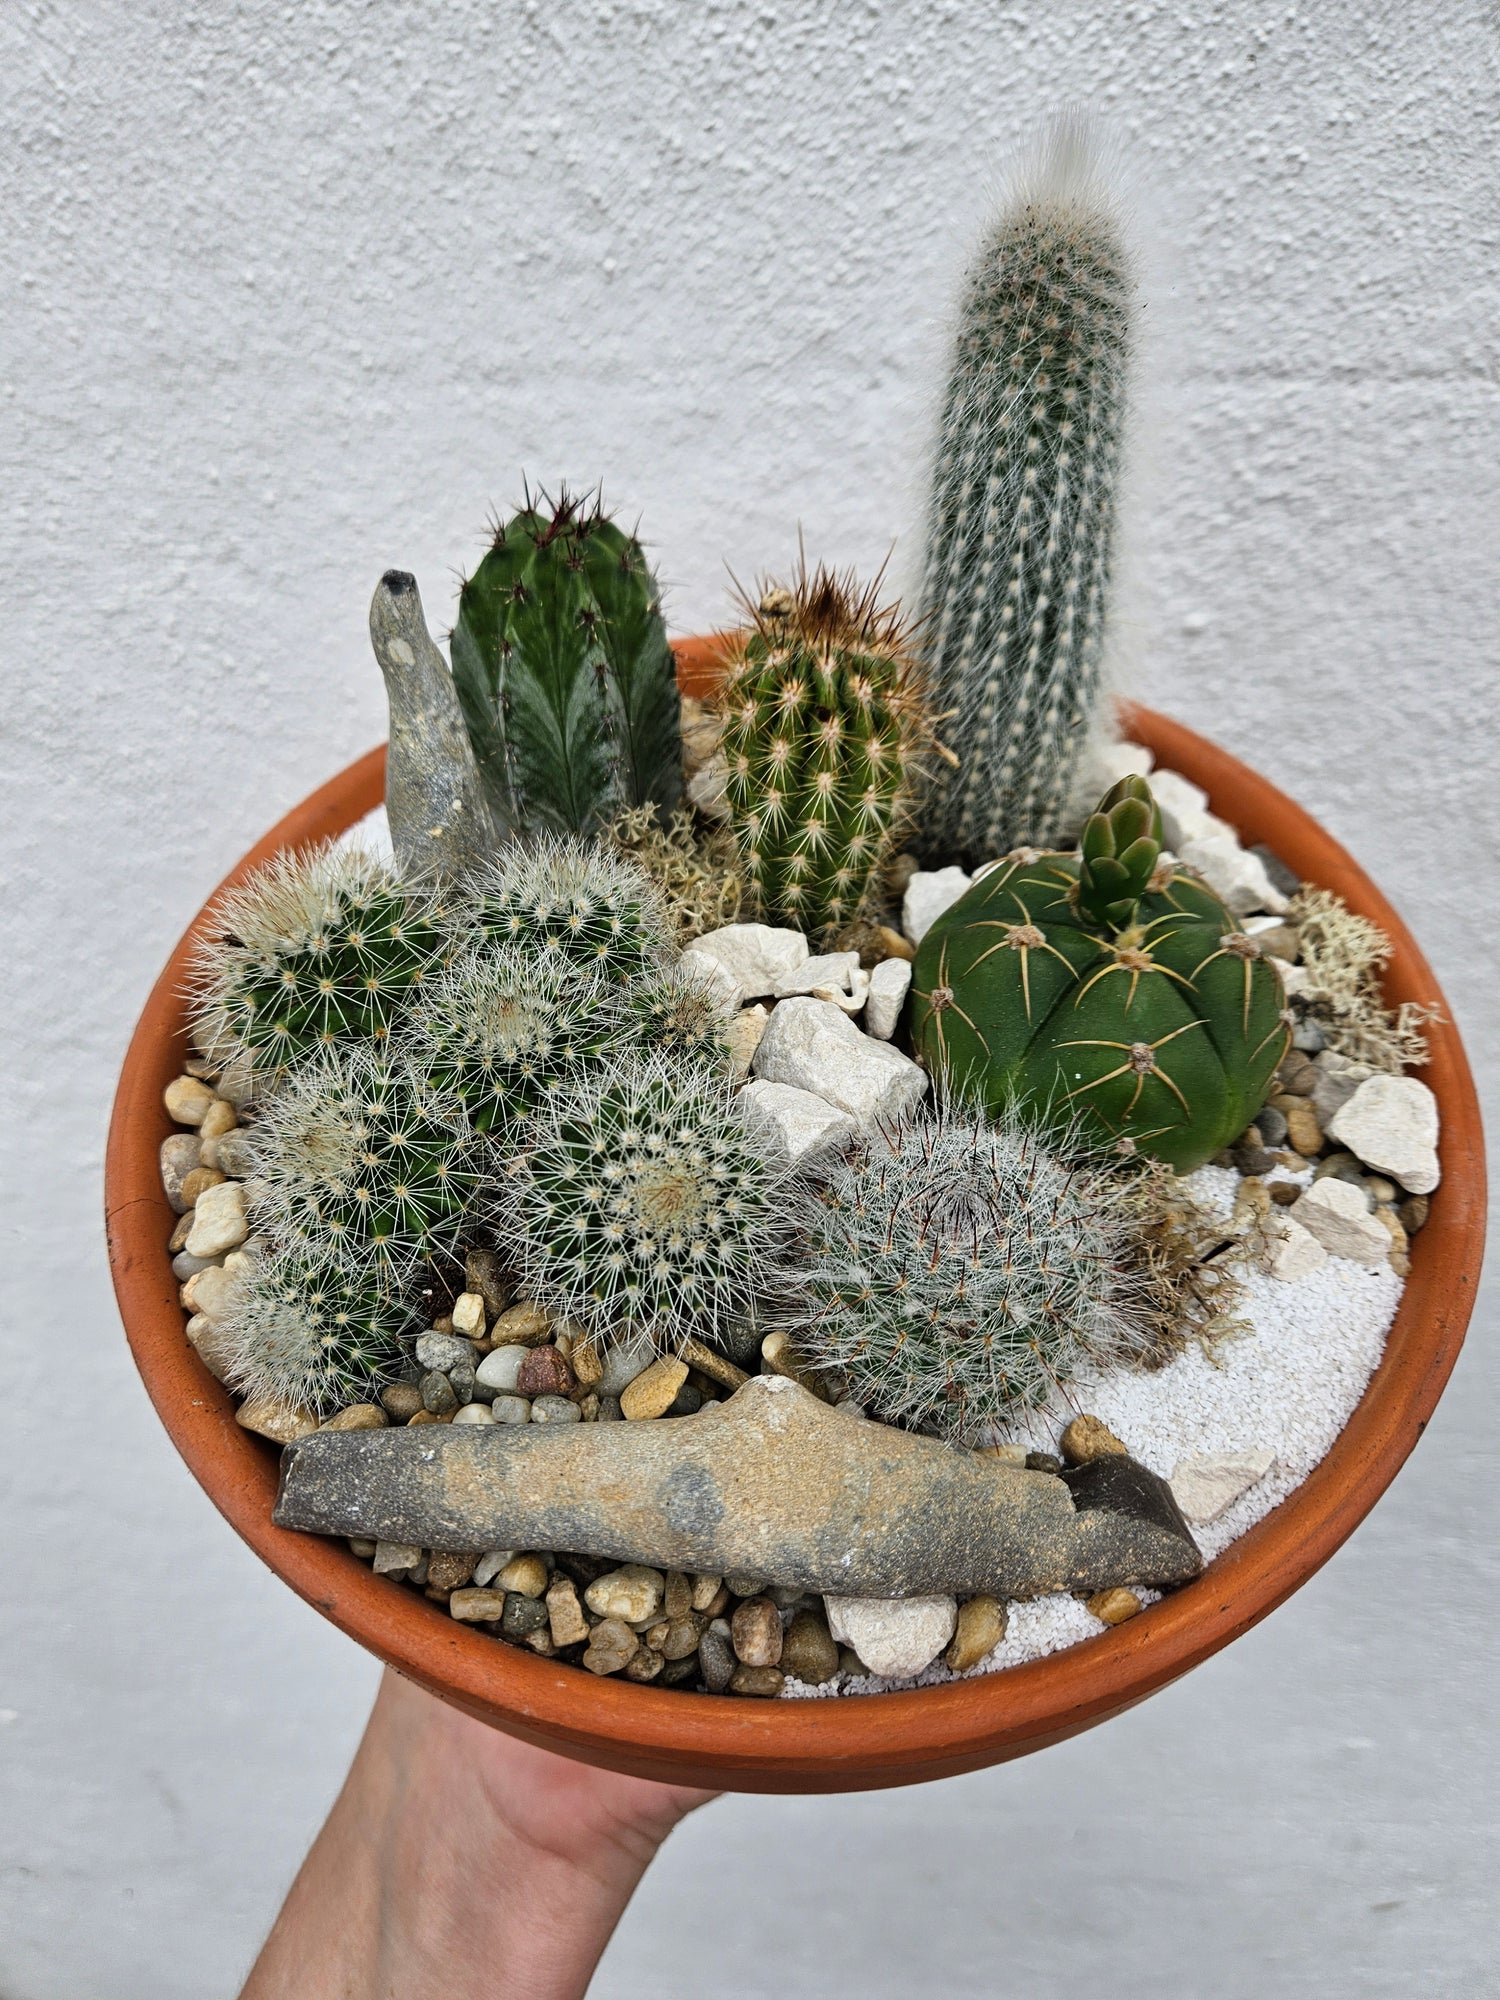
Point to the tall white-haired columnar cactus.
(1022, 510)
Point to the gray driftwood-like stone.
(771, 1483)
(439, 817)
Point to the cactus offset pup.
(823, 734)
(1104, 988)
(564, 673)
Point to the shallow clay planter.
(863, 1741)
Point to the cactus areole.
(1103, 987)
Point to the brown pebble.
(763, 1681)
(654, 1391)
(187, 1099)
(359, 1417)
(1297, 1075)
(716, 1606)
(588, 1364)
(1113, 1606)
(643, 1665)
(705, 1590)
(527, 1575)
(1284, 1193)
(402, 1400)
(540, 1641)
(1088, 1438)
(524, 1325)
(427, 1417)
(612, 1645)
(193, 1184)
(217, 1120)
(755, 1631)
(448, 1569)
(565, 1613)
(681, 1637)
(808, 1652)
(179, 1236)
(1043, 1461)
(588, 1409)
(713, 1365)
(484, 1273)
(980, 1628)
(443, 1323)
(1413, 1212)
(1302, 1128)
(544, 1372)
(476, 1607)
(677, 1599)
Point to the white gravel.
(1290, 1385)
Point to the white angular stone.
(1237, 877)
(468, 1315)
(743, 1036)
(927, 896)
(1105, 763)
(501, 1368)
(848, 1002)
(1208, 1483)
(1390, 1123)
(896, 1637)
(812, 1046)
(1295, 1252)
(715, 979)
(219, 1221)
(212, 1291)
(889, 984)
(1184, 810)
(755, 956)
(799, 1125)
(1339, 1214)
(831, 968)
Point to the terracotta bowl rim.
(855, 1742)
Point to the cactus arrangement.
(561, 662)
(957, 1272)
(316, 950)
(1103, 987)
(1022, 514)
(646, 1204)
(824, 736)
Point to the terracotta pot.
(822, 1745)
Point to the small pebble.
(1297, 1075)
(358, 1417)
(610, 1411)
(219, 1220)
(1302, 1128)
(428, 1417)
(808, 1653)
(1284, 1193)
(677, 1595)
(490, 1564)
(449, 1569)
(716, 1661)
(270, 1417)
(524, 1325)
(198, 1182)
(763, 1681)
(484, 1273)
(501, 1368)
(744, 1586)
(525, 1575)
(565, 1613)
(235, 1154)
(522, 1616)
(473, 1413)
(402, 1400)
(755, 1632)
(1413, 1212)
(358, 1546)
(1043, 1461)
(653, 1392)
(681, 1638)
(185, 1266)
(1087, 1438)
(438, 1398)
(1114, 1606)
(544, 1372)
(473, 1607)
(468, 1315)
(587, 1364)
(1273, 1125)
(631, 1592)
(187, 1099)
(180, 1228)
(705, 1590)
(612, 1646)
(643, 1665)
(980, 1628)
(395, 1558)
(510, 1410)
(442, 1351)
(540, 1641)
(555, 1410)
(588, 1409)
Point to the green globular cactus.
(1022, 514)
(314, 950)
(1103, 987)
(824, 732)
(365, 1161)
(958, 1273)
(305, 1329)
(563, 670)
(571, 900)
(644, 1203)
(679, 1013)
(501, 1030)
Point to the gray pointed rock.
(440, 820)
(771, 1483)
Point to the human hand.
(459, 1861)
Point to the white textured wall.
(291, 294)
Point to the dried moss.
(1342, 956)
(1191, 1262)
(696, 868)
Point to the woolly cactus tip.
(570, 898)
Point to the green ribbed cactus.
(313, 951)
(502, 1030)
(1022, 514)
(1103, 988)
(364, 1161)
(958, 1272)
(824, 729)
(569, 899)
(310, 1332)
(563, 670)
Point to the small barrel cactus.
(501, 1030)
(365, 1160)
(958, 1272)
(679, 1013)
(824, 733)
(568, 899)
(567, 682)
(645, 1203)
(1103, 987)
(1021, 521)
(305, 1329)
(314, 950)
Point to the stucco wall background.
(291, 294)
